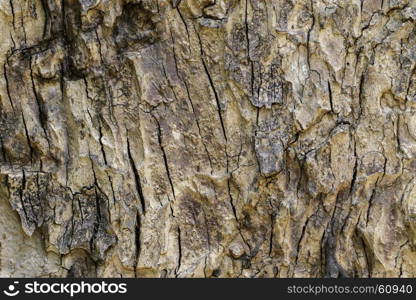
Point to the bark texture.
(202, 138)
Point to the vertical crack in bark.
(3, 152)
(137, 242)
(216, 98)
(29, 142)
(43, 118)
(165, 158)
(22, 199)
(13, 15)
(371, 200)
(100, 140)
(112, 189)
(300, 240)
(272, 221)
(211, 83)
(247, 31)
(46, 21)
(330, 97)
(178, 267)
(231, 200)
(9, 96)
(366, 254)
(360, 96)
(136, 177)
(354, 172)
(247, 35)
(183, 21)
(100, 51)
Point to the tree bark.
(202, 138)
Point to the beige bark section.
(199, 138)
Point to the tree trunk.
(202, 138)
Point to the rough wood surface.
(203, 138)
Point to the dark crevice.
(179, 251)
(165, 159)
(13, 15)
(331, 102)
(301, 239)
(47, 17)
(100, 51)
(272, 220)
(136, 178)
(247, 29)
(8, 86)
(216, 98)
(3, 152)
(29, 143)
(371, 201)
(183, 21)
(21, 194)
(231, 200)
(86, 89)
(211, 82)
(360, 95)
(137, 241)
(354, 174)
